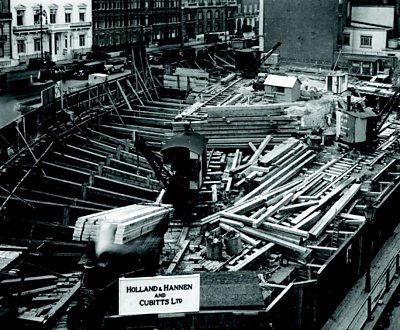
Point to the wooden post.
(66, 214)
(84, 191)
(100, 168)
(369, 308)
(91, 178)
(387, 280)
(108, 159)
(118, 152)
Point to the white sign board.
(160, 294)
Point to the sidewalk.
(352, 313)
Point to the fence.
(380, 287)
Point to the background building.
(50, 29)
(5, 34)
(370, 43)
(309, 30)
(207, 16)
(118, 24)
(247, 17)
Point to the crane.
(258, 83)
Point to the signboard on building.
(159, 295)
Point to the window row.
(37, 44)
(46, 17)
(134, 4)
(365, 40)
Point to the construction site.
(275, 187)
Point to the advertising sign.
(160, 294)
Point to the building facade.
(370, 45)
(50, 30)
(208, 16)
(5, 34)
(118, 24)
(247, 17)
(309, 30)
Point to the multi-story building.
(370, 44)
(247, 17)
(207, 16)
(5, 34)
(117, 24)
(50, 29)
(309, 30)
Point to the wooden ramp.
(352, 313)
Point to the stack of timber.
(150, 119)
(288, 210)
(126, 223)
(187, 79)
(237, 125)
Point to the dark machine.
(181, 170)
(248, 61)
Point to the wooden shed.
(285, 88)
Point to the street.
(9, 102)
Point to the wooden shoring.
(134, 91)
(151, 77)
(124, 95)
(25, 176)
(142, 85)
(108, 92)
(30, 150)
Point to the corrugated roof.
(280, 81)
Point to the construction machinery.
(248, 61)
(181, 170)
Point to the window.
(20, 17)
(366, 41)
(1, 51)
(346, 39)
(200, 15)
(209, 14)
(36, 18)
(67, 17)
(81, 17)
(66, 42)
(82, 40)
(21, 46)
(278, 89)
(216, 14)
(53, 15)
(36, 44)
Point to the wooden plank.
(334, 210)
(272, 210)
(269, 238)
(61, 303)
(244, 237)
(252, 257)
(178, 257)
